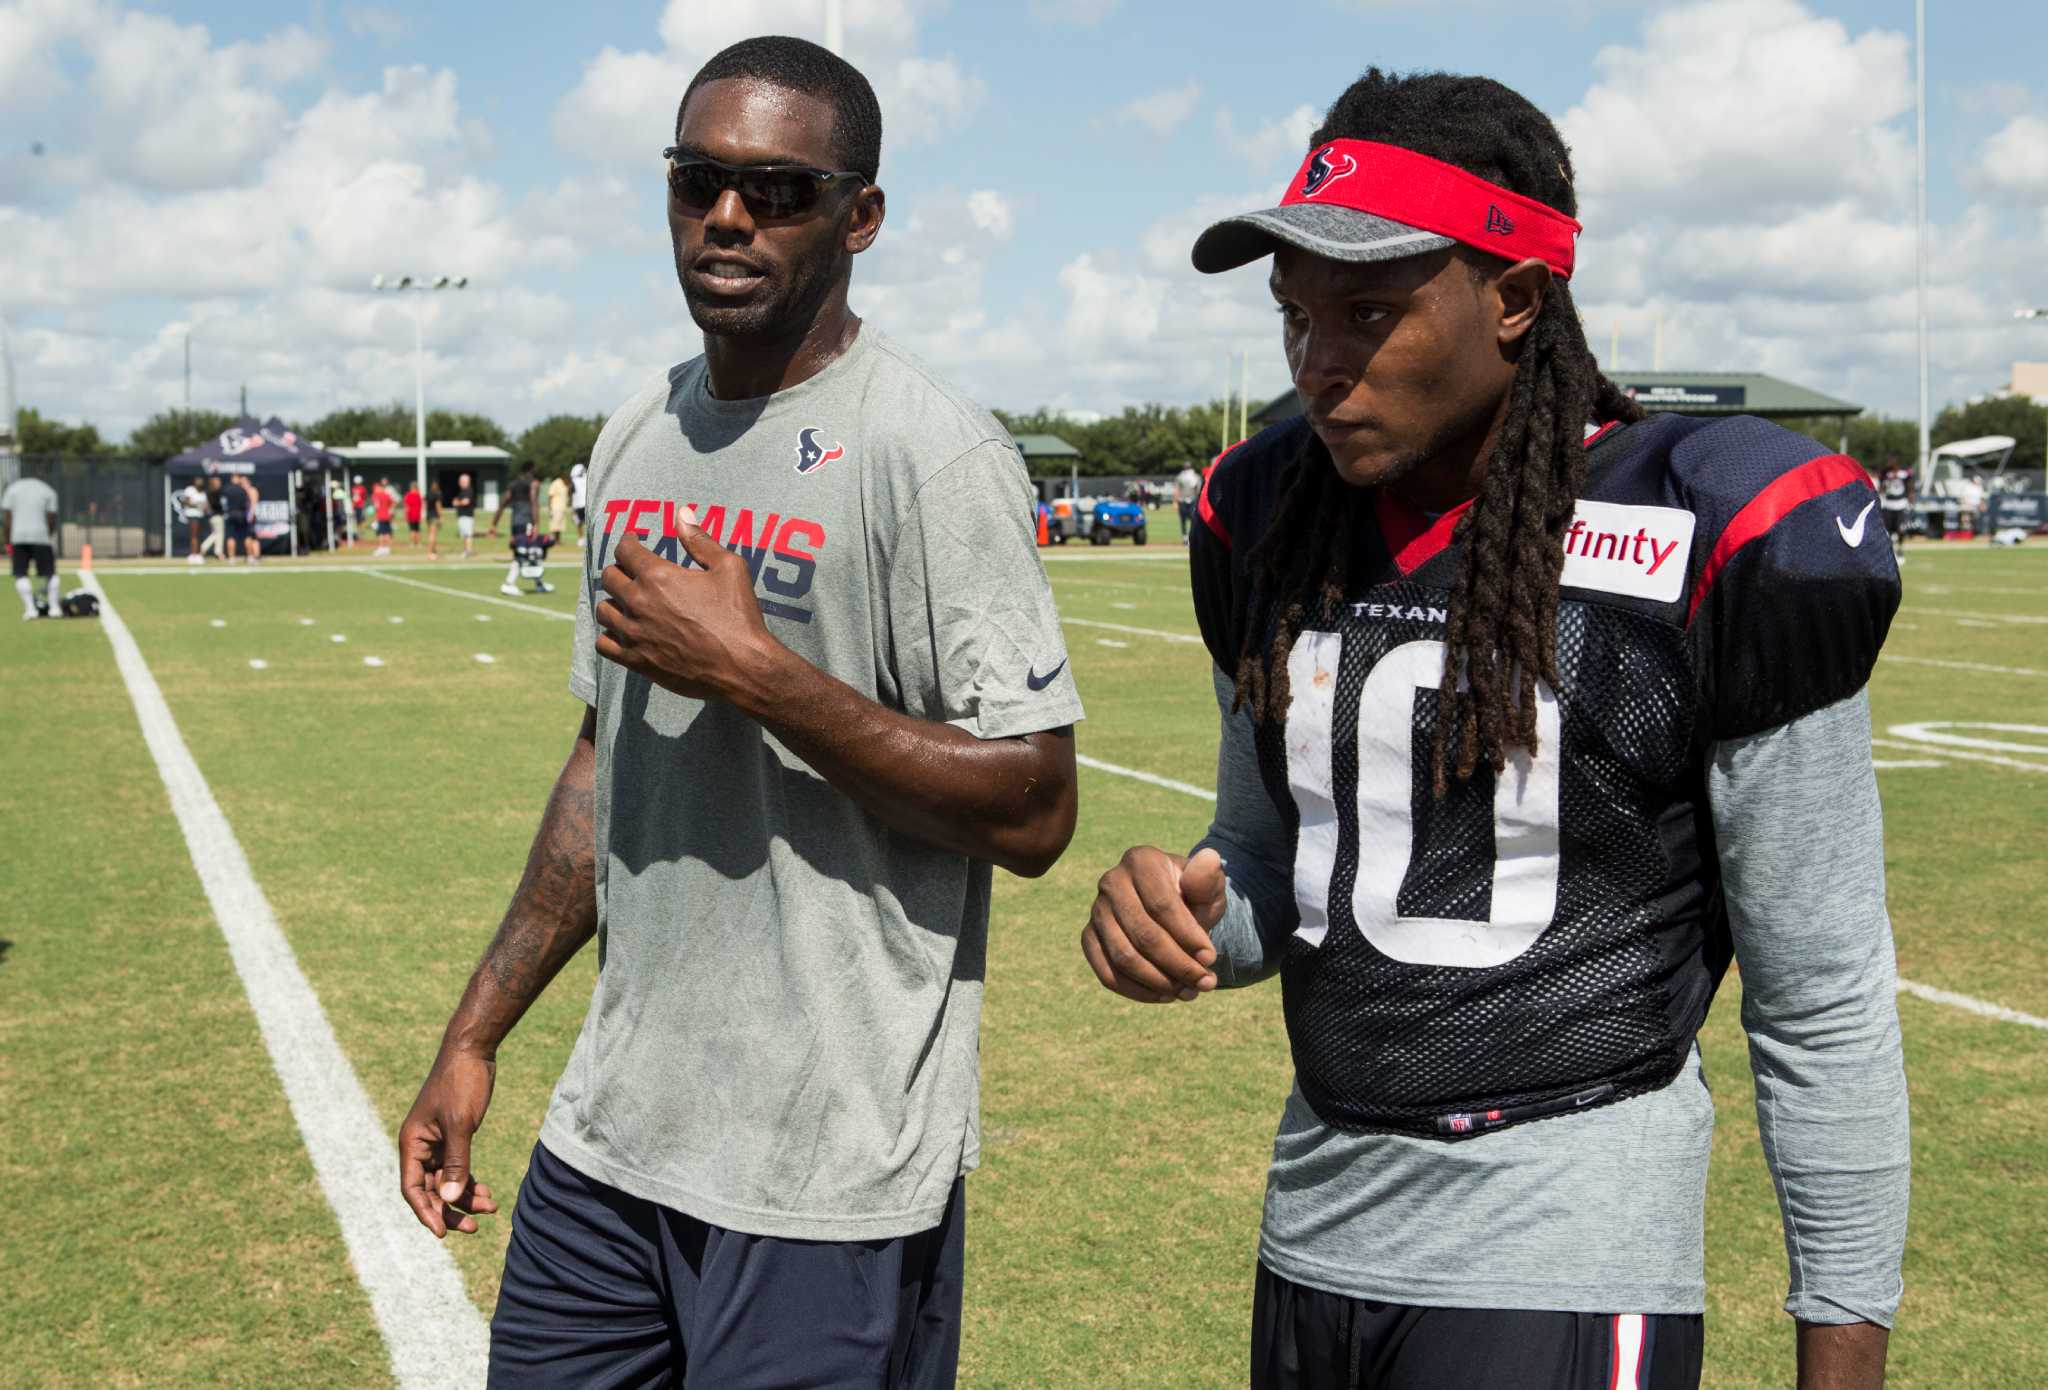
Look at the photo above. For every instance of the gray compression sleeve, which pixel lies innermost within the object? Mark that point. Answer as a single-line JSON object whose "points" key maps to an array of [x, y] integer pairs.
{"points": [[1801, 843], [1258, 857]]}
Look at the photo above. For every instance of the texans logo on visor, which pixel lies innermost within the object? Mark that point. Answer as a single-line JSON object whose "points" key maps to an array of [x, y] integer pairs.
{"points": [[1322, 173], [811, 455]]}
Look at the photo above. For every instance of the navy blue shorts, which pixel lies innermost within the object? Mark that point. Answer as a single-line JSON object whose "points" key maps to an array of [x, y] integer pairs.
{"points": [[604, 1291]]}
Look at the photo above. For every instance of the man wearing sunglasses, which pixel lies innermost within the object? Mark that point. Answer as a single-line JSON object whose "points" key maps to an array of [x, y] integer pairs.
{"points": [[825, 691]]}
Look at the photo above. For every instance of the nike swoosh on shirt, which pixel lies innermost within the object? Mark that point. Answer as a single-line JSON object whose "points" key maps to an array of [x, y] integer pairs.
{"points": [[1852, 536], [1038, 682]]}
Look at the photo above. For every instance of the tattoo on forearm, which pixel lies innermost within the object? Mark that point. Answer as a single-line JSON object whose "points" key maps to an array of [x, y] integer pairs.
{"points": [[554, 910]]}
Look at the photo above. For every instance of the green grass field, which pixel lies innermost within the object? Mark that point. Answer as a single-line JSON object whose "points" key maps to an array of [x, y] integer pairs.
{"points": [[163, 1227]]}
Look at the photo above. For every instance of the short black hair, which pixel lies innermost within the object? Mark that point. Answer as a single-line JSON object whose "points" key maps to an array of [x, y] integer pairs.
{"points": [[798, 65]]}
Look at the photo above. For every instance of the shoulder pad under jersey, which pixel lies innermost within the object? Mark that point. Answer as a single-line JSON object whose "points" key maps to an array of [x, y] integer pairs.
{"points": [[1231, 514], [1795, 584]]}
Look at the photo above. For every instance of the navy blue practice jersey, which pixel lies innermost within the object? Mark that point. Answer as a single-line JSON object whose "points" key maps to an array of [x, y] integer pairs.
{"points": [[1548, 938]]}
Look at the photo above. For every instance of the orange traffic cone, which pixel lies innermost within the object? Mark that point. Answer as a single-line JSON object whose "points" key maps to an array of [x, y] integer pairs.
{"points": [[1044, 531], [85, 559]]}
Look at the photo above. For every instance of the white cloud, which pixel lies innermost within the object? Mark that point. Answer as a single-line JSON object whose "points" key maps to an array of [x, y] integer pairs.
{"points": [[1784, 243], [1161, 112], [387, 27], [623, 108], [2014, 162], [1275, 147]]}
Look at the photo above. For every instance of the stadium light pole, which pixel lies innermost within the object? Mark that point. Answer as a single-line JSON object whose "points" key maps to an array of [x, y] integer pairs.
{"points": [[419, 356], [2041, 313], [1920, 200]]}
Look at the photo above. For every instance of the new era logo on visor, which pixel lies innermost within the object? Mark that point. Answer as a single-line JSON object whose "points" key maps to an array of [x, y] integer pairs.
{"points": [[1498, 222], [1323, 171]]}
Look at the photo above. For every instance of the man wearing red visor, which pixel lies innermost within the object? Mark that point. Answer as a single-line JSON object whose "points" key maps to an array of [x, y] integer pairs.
{"points": [[1535, 713]]}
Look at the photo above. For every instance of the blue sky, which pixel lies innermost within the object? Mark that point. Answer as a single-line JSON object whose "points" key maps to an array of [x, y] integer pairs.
{"points": [[236, 171]]}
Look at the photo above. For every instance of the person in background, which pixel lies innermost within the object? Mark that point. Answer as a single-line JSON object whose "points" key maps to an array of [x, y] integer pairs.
{"points": [[216, 522], [415, 510], [465, 514], [1187, 486], [558, 506], [577, 498], [1972, 498], [190, 503], [522, 499], [358, 502], [238, 504], [433, 504], [28, 510], [1895, 493], [382, 501]]}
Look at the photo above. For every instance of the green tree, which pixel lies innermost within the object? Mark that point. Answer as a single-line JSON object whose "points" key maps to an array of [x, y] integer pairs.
{"points": [[2017, 416], [1873, 440], [1141, 440], [356, 423], [55, 438], [170, 432], [559, 441]]}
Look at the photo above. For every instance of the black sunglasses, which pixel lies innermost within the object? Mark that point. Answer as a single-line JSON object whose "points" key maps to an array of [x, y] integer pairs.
{"points": [[768, 190]]}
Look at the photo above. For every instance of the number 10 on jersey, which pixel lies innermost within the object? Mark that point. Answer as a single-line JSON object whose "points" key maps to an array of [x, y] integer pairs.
{"points": [[1525, 802]]}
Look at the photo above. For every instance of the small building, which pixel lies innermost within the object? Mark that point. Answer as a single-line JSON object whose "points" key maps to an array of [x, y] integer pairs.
{"points": [[489, 467], [1047, 455]]}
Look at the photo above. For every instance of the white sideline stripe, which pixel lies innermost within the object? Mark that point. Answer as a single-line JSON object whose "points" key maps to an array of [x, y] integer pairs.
{"points": [[1965, 665], [1893, 764], [434, 1333], [1185, 788], [1917, 990], [1975, 1006], [1942, 750], [1967, 613], [1134, 631], [122, 571], [466, 594]]}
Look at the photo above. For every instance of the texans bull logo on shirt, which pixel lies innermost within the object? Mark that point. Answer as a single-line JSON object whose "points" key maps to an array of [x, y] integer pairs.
{"points": [[782, 551], [811, 455], [1322, 172]]}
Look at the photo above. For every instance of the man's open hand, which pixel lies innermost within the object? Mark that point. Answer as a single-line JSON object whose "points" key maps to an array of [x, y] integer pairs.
{"points": [[433, 1145], [1147, 936], [697, 632]]}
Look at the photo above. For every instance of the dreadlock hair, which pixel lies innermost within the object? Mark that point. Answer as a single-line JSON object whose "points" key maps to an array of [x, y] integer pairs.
{"points": [[1501, 625], [798, 65]]}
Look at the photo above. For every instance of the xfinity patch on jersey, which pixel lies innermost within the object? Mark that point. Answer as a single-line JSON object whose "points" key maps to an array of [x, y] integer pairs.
{"points": [[1620, 549]]}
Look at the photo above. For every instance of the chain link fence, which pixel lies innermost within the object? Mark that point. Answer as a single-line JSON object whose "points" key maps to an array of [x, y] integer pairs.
{"points": [[113, 504]]}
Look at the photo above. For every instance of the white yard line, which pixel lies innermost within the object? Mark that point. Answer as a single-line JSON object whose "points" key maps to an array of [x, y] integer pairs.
{"points": [[122, 571], [1964, 665], [466, 594], [1133, 631], [1895, 764], [2028, 618], [1938, 750], [1919, 991], [1976, 1006], [1185, 788], [434, 1333]]}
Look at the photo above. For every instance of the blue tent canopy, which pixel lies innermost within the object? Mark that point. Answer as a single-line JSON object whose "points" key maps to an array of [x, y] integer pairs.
{"points": [[262, 450]]}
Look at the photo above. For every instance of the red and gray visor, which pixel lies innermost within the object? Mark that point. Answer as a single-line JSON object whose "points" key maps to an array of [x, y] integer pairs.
{"points": [[1357, 200]]}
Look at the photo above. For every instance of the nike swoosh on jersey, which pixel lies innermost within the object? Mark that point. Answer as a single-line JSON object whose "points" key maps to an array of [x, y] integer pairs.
{"points": [[1852, 536], [1038, 682]]}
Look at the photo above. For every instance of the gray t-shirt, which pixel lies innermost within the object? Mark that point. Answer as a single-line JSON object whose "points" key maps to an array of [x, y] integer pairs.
{"points": [[784, 1035], [1602, 1212], [28, 502]]}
